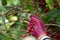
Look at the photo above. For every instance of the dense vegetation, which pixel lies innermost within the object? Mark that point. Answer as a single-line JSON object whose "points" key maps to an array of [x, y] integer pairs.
{"points": [[14, 13]]}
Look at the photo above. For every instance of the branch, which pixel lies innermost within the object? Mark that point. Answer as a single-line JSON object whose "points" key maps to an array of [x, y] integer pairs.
{"points": [[53, 25]]}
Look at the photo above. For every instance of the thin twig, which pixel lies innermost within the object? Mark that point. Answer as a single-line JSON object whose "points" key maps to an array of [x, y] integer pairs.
{"points": [[53, 25]]}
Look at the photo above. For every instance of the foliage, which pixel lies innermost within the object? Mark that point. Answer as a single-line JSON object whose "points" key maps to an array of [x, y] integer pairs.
{"points": [[14, 13]]}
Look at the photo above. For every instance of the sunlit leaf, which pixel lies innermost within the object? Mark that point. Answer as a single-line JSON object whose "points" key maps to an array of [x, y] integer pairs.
{"points": [[58, 2], [13, 2]]}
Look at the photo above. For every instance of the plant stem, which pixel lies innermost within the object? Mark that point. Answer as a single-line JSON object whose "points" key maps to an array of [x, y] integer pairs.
{"points": [[53, 25], [1, 14], [4, 22]]}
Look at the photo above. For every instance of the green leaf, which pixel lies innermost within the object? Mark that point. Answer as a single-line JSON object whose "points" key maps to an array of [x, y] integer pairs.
{"points": [[18, 33], [7, 38], [58, 2], [1, 8], [51, 15], [8, 2], [58, 19], [30, 8], [4, 2], [49, 3], [13, 2], [16, 2], [2, 36]]}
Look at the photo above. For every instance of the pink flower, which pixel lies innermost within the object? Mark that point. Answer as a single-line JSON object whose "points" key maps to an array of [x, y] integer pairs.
{"points": [[37, 25]]}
